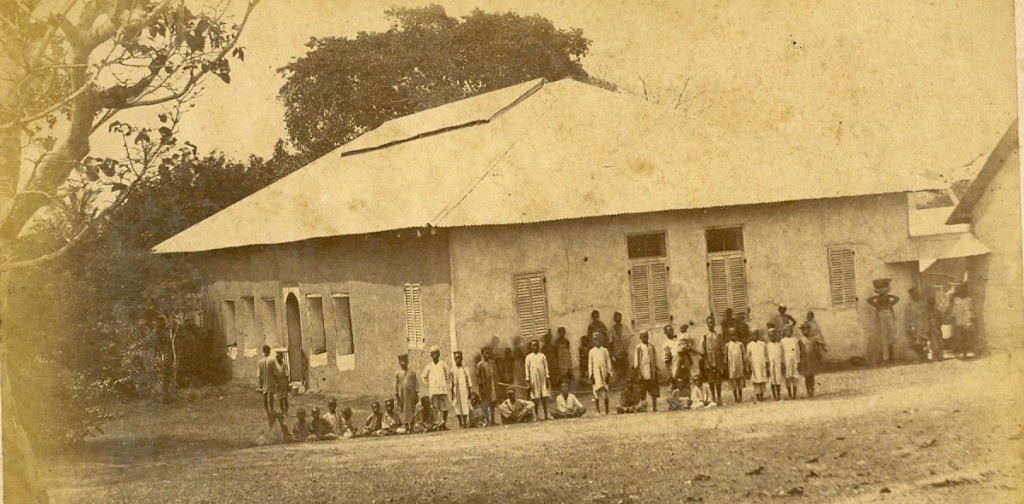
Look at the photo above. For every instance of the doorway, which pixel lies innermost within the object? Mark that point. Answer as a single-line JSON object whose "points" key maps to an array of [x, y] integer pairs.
{"points": [[291, 307]]}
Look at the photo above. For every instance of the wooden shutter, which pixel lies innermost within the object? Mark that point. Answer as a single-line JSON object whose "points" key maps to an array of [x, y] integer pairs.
{"points": [[640, 286], [659, 292], [842, 281], [737, 284], [648, 283], [727, 283], [413, 317], [531, 304]]}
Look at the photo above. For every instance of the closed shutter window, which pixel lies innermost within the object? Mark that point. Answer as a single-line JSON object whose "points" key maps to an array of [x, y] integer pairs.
{"points": [[413, 317], [727, 279], [531, 304], [649, 290], [842, 281]]}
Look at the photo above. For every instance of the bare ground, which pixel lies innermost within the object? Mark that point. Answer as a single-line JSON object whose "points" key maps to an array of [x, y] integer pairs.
{"points": [[945, 432]]}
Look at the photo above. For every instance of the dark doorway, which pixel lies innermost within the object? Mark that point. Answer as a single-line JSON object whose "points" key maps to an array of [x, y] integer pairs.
{"points": [[291, 308]]}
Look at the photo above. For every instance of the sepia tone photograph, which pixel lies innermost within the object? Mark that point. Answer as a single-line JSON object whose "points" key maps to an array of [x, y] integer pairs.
{"points": [[475, 251]]}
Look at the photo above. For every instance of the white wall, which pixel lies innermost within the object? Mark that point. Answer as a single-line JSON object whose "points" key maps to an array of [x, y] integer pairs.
{"points": [[586, 267]]}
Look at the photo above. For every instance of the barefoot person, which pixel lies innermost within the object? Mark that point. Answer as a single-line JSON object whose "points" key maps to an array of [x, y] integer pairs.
{"points": [[462, 386], [487, 382], [438, 377], [599, 367], [515, 410], [712, 359], [281, 373], [538, 379], [735, 363], [645, 368], [407, 392], [775, 377], [811, 347], [757, 358], [790, 361], [265, 383], [567, 405]]}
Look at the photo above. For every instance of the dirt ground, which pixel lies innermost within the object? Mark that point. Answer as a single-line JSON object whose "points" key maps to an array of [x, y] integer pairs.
{"points": [[944, 432]]}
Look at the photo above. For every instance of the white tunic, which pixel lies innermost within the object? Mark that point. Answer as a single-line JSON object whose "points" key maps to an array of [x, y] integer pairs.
{"points": [[461, 383], [757, 355], [537, 375], [600, 366]]}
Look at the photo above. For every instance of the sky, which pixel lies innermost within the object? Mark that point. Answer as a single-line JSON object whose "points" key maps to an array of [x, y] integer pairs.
{"points": [[938, 76]]}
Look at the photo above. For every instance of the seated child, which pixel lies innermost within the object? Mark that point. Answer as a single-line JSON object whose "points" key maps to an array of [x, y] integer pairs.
{"points": [[303, 430], [677, 400], [700, 396], [321, 427], [632, 399], [477, 417], [375, 422], [567, 405], [426, 419], [391, 422], [347, 429]]}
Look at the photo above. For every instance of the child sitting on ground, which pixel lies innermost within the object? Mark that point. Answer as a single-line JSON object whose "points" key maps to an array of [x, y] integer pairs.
{"points": [[347, 429], [632, 399], [303, 430], [477, 416], [375, 422], [677, 400], [321, 427], [426, 420], [391, 422], [567, 405]]}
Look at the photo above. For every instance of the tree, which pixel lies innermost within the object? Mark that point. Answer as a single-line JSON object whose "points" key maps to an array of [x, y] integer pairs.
{"points": [[343, 87], [67, 72]]}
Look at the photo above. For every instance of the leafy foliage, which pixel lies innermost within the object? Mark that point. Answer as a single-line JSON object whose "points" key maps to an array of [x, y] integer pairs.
{"points": [[343, 87]]}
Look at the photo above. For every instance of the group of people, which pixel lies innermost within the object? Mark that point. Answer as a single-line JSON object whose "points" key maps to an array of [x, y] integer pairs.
{"points": [[696, 365]]}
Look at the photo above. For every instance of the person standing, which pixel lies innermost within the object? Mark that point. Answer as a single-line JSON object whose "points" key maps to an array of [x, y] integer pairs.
{"points": [[781, 319], [742, 327], [583, 353], [775, 376], [564, 365], [811, 349], [599, 367], [915, 320], [673, 357], [645, 366], [538, 379], [690, 362], [487, 381], [266, 385], [518, 362], [713, 359], [963, 320], [462, 386], [790, 360], [735, 363], [551, 354], [885, 320], [597, 326], [757, 357], [281, 381], [621, 340], [935, 319], [407, 391], [438, 378]]}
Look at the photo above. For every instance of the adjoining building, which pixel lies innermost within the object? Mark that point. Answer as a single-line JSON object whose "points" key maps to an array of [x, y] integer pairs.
{"points": [[526, 208], [991, 206]]}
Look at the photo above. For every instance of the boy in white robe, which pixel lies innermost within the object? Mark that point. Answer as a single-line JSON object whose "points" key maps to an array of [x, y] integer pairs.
{"points": [[537, 378], [757, 359], [790, 360], [462, 386], [599, 370]]}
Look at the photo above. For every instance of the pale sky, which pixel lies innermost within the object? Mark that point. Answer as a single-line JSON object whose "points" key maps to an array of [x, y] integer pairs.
{"points": [[934, 74]]}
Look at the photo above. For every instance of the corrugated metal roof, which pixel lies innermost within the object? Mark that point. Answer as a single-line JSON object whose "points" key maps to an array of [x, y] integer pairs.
{"points": [[550, 151]]}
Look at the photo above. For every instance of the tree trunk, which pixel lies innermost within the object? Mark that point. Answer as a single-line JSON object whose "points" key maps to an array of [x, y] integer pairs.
{"points": [[20, 475]]}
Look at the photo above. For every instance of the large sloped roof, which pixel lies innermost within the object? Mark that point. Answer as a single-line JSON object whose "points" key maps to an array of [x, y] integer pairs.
{"points": [[549, 151], [996, 160]]}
